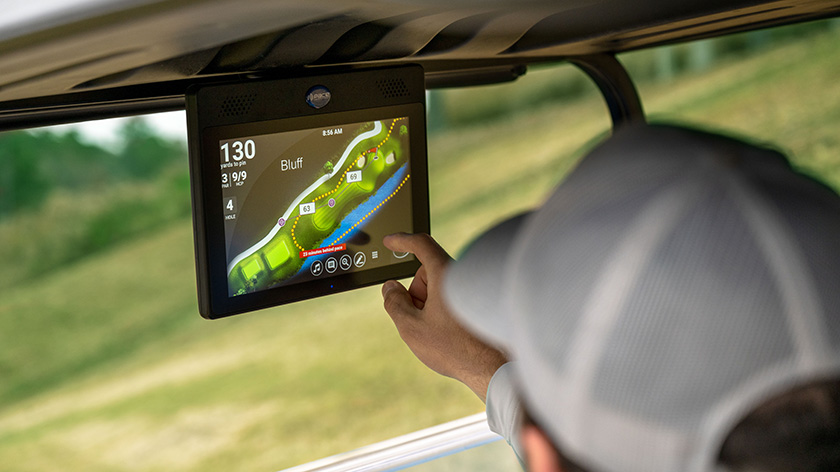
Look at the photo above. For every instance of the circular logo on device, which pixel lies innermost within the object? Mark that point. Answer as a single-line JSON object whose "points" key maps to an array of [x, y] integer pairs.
{"points": [[318, 96]]}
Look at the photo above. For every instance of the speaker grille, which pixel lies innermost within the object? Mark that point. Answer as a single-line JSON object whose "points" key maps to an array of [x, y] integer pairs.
{"points": [[237, 105], [393, 88]]}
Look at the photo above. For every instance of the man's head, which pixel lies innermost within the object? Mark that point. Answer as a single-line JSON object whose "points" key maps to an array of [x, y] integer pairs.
{"points": [[675, 282]]}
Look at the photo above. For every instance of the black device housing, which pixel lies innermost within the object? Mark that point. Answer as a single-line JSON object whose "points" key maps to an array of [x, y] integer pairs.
{"points": [[264, 106]]}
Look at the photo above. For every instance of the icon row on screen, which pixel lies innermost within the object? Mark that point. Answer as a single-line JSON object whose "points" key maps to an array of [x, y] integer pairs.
{"points": [[332, 264]]}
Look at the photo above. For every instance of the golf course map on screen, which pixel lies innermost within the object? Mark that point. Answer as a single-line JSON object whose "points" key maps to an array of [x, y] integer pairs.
{"points": [[312, 203]]}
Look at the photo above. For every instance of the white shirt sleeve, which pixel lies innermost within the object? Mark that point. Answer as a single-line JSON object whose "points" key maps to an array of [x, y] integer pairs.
{"points": [[504, 412]]}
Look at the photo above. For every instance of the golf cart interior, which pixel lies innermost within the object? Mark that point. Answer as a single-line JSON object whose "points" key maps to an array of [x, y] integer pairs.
{"points": [[106, 363]]}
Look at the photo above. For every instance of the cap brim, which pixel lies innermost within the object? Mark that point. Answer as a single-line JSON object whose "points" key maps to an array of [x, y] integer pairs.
{"points": [[473, 285]]}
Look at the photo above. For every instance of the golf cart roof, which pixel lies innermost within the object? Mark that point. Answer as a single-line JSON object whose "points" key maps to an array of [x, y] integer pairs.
{"points": [[82, 59]]}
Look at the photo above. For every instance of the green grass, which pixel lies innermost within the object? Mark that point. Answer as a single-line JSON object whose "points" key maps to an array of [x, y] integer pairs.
{"points": [[72, 225], [787, 96], [106, 366], [142, 374]]}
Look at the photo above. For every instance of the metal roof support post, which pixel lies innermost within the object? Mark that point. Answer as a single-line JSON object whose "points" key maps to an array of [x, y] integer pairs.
{"points": [[615, 85]]}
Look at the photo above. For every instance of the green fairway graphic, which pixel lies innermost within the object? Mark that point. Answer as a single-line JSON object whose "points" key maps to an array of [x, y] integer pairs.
{"points": [[352, 175]]}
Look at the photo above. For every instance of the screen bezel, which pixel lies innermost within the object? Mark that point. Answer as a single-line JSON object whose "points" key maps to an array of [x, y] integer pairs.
{"points": [[214, 299]]}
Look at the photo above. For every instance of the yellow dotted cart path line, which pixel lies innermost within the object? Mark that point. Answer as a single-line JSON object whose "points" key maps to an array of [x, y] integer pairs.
{"points": [[387, 136], [341, 180], [293, 234], [372, 211]]}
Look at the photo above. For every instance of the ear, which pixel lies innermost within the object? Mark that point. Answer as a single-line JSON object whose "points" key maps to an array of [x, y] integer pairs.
{"points": [[539, 451]]}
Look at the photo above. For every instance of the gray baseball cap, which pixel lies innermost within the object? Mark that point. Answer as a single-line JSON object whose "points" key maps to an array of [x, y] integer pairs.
{"points": [[672, 283]]}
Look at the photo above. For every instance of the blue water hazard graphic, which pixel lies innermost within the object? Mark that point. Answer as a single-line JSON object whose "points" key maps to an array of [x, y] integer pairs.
{"points": [[357, 214]]}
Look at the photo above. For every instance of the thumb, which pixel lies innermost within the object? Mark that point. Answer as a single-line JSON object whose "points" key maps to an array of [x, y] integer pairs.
{"points": [[397, 301]]}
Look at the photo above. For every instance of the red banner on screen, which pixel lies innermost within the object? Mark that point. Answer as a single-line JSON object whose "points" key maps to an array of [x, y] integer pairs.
{"points": [[322, 250]]}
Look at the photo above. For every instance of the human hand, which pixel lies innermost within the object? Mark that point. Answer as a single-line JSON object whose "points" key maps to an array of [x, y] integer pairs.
{"points": [[426, 324]]}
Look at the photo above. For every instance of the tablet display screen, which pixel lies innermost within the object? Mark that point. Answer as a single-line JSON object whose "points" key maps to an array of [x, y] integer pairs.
{"points": [[296, 180], [310, 204]]}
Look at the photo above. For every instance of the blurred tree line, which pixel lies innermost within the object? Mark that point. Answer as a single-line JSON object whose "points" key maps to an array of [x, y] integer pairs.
{"points": [[35, 164], [63, 199], [450, 108]]}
